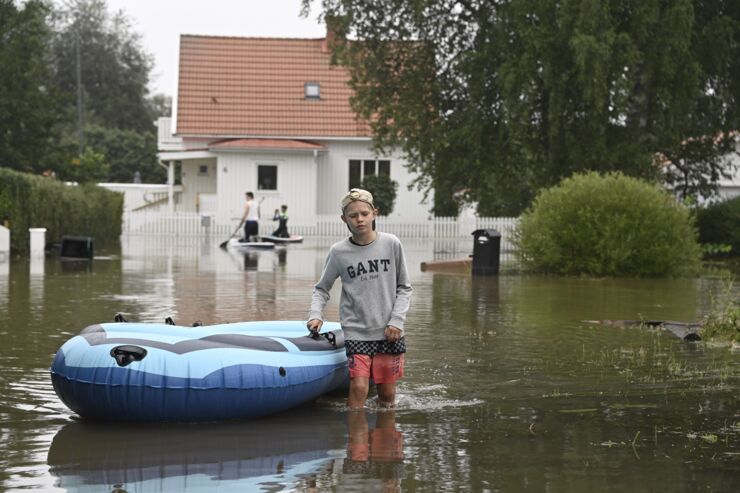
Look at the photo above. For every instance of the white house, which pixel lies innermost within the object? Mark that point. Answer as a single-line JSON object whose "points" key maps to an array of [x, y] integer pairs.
{"points": [[271, 116]]}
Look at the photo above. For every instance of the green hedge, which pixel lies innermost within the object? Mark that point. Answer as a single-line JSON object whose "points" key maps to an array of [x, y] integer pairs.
{"points": [[607, 225], [31, 201], [719, 224]]}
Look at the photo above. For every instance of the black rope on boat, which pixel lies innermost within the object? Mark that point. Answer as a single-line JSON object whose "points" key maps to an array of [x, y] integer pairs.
{"points": [[197, 323], [169, 321], [119, 318], [331, 337]]}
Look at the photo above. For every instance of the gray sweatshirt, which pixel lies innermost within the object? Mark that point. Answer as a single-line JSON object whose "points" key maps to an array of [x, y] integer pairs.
{"points": [[376, 291]]}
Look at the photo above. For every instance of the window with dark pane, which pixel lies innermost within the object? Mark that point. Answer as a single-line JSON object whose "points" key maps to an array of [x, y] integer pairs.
{"points": [[368, 168], [266, 177], [361, 169], [355, 173]]}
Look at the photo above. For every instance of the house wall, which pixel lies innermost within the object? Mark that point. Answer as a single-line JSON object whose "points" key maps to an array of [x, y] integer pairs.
{"points": [[309, 184], [730, 188], [333, 175], [296, 185], [195, 183]]}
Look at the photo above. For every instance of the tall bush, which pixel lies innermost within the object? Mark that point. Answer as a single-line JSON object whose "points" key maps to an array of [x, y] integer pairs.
{"points": [[383, 190], [607, 225], [719, 224], [30, 201]]}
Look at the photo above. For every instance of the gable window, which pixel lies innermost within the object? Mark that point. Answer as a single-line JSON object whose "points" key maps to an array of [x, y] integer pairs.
{"points": [[360, 168], [266, 177], [312, 90]]}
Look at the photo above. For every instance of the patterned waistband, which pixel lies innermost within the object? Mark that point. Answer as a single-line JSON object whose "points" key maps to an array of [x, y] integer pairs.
{"points": [[371, 348]]}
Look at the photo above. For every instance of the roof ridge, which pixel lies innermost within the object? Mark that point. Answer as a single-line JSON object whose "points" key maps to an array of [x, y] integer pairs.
{"points": [[262, 38]]}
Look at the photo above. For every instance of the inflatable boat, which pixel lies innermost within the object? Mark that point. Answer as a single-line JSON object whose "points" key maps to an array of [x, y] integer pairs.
{"points": [[159, 372]]}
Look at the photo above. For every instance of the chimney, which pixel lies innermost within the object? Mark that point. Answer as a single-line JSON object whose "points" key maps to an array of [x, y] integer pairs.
{"points": [[333, 30]]}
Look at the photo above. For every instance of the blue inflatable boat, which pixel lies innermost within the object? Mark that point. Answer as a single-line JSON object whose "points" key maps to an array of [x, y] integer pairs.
{"points": [[160, 372]]}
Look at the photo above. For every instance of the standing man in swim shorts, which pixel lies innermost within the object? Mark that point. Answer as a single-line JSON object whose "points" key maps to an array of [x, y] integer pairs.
{"points": [[376, 295], [251, 218]]}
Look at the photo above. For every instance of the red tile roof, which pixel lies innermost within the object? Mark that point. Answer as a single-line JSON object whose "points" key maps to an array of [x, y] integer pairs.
{"points": [[246, 87], [298, 145]]}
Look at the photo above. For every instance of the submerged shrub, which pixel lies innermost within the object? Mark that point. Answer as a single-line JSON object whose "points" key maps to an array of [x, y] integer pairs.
{"points": [[607, 225], [719, 225]]}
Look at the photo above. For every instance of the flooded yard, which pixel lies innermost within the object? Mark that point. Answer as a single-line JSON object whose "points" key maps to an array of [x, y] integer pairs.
{"points": [[507, 387]]}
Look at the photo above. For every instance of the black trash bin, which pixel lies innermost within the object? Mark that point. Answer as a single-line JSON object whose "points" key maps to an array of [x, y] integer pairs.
{"points": [[486, 252], [77, 247]]}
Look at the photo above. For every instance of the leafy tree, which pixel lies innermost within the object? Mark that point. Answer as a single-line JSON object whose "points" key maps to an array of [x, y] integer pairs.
{"points": [[497, 100], [124, 151], [159, 105], [384, 192], [114, 67], [90, 167], [118, 114], [28, 108]]}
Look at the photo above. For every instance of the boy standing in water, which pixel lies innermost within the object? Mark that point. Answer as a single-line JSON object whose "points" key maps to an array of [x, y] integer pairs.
{"points": [[376, 294]]}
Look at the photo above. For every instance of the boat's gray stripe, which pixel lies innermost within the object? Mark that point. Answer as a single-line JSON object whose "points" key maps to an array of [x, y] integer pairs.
{"points": [[96, 335]]}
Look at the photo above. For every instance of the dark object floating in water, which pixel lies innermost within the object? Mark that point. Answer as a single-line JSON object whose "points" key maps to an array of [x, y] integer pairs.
{"points": [[683, 330], [77, 247]]}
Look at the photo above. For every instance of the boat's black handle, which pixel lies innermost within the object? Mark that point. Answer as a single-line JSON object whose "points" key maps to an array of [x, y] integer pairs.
{"points": [[125, 355]]}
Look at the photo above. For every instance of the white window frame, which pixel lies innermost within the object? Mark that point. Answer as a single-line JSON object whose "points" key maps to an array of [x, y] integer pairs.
{"points": [[362, 161]]}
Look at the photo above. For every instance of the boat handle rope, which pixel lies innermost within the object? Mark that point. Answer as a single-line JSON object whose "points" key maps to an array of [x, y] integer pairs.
{"points": [[329, 336]]}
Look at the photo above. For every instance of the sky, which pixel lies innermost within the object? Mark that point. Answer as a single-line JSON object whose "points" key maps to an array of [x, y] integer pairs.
{"points": [[160, 23]]}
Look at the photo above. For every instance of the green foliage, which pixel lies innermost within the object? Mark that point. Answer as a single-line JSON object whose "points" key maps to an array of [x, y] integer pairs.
{"points": [[36, 202], [383, 190], [723, 321], [719, 223], [28, 106], [607, 225], [38, 93], [90, 167], [126, 151], [114, 67], [501, 99]]}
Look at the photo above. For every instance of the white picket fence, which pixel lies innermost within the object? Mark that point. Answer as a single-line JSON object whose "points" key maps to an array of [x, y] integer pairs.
{"points": [[195, 224]]}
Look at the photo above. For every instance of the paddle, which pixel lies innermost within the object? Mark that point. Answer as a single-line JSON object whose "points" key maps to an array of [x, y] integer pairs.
{"points": [[223, 245]]}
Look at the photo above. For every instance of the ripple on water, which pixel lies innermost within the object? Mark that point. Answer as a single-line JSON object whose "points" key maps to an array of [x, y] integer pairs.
{"points": [[416, 398]]}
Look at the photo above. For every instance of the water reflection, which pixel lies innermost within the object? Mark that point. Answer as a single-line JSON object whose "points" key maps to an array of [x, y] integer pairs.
{"points": [[76, 266], [374, 455], [260, 455], [36, 284]]}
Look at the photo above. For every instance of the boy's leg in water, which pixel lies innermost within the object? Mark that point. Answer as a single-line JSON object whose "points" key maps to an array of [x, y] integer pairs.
{"points": [[358, 388], [387, 394]]}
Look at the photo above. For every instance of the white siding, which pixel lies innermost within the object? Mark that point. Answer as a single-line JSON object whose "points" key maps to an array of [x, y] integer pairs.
{"points": [[195, 183], [296, 187], [308, 185], [333, 176]]}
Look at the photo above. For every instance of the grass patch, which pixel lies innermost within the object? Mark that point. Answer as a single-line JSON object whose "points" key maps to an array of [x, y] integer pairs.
{"points": [[723, 322]]}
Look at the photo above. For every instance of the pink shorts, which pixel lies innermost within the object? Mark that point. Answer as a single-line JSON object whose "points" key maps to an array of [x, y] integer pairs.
{"points": [[382, 368]]}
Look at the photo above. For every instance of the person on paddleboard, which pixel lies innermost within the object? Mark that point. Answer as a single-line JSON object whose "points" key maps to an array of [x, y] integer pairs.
{"points": [[251, 218], [282, 217], [376, 295]]}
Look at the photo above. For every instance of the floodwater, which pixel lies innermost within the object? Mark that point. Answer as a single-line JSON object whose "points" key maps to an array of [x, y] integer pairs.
{"points": [[506, 387]]}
